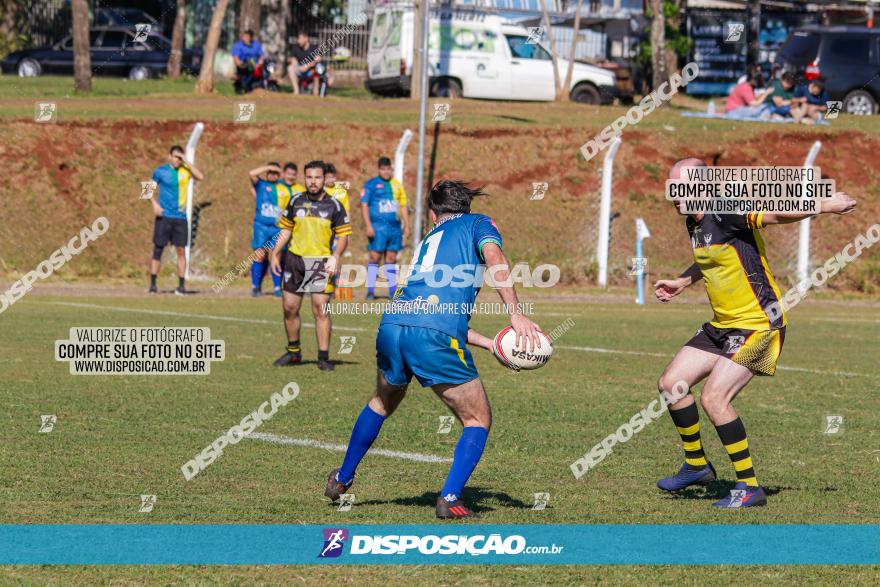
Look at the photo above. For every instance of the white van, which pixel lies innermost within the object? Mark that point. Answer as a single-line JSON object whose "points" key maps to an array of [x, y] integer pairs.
{"points": [[474, 55]]}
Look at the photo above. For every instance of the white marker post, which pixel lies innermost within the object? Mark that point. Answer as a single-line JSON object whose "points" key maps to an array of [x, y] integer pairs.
{"points": [[803, 261], [642, 233], [399, 153], [191, 157], [605, 211]]}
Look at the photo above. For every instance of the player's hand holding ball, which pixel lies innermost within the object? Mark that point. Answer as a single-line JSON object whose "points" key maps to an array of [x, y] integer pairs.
{"points": [[522, 345]]}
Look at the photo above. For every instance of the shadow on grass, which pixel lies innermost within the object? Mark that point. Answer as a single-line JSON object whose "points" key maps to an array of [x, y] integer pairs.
{"points": [[473, 497], [719, 489]]}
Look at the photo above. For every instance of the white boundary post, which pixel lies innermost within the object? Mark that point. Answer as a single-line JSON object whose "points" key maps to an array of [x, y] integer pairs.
{"points": [[803, 261], [191, 157], [605, 211], [399, 153]]}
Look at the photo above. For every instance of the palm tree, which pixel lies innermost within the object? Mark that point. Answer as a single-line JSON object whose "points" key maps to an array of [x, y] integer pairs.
{"points": [[205, 84], [177, 40], [82, 57]]}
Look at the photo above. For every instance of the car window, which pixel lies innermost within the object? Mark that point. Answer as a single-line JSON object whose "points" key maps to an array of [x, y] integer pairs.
{"points": [[853, 49], [520, 48], [93, 38], [115, 40], [380, 31], [801, 48], [67, 44]]}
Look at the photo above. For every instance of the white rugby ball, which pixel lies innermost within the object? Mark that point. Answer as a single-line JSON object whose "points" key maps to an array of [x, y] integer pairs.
{"points": [[505, 348]]}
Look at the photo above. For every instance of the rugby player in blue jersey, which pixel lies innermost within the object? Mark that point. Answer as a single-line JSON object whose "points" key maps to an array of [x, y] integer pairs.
{"points": [[270, 197], [424, 332], [172, 181]]}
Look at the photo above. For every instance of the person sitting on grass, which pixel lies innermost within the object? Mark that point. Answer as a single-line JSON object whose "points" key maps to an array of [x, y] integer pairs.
{"points": [[810, 102], [742, 102], [783, 92]]}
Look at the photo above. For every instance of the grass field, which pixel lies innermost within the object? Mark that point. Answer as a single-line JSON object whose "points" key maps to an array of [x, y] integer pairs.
{"points": [[122, 436]]}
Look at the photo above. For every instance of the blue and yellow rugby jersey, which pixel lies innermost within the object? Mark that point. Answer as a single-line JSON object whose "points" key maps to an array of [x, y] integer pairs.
{"points": [[731, 257], [173, 184], [385, 199], [341, 194], [286, 191], [313, 224], [269, 195], [457, 243]]}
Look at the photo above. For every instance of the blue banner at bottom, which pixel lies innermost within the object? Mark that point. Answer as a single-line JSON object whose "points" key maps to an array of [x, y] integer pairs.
{"points": [[243, 544]]}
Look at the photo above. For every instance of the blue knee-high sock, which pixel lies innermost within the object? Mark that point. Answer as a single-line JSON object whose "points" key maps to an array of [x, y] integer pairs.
{"points": [[372, 272], [391, 276], [258, 270], [365, 431], [467, 454], [276, 280]]}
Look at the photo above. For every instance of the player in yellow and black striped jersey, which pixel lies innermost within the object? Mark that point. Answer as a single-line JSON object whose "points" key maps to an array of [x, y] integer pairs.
{"points": [[310, 223], [743, 339]]}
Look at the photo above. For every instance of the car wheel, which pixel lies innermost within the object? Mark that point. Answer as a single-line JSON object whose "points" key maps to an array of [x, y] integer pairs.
{"points": [[446, 88], [140, 72], [585, 94], [860, 103], [29, 68]]}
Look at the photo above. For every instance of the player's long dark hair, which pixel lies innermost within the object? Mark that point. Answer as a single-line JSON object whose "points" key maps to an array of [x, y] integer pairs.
{"points": [[452, 197]]}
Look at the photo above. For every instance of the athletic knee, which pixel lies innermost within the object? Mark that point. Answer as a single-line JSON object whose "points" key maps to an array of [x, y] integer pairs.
{"points": [[157, 252], [712, 402], [667, 382]]}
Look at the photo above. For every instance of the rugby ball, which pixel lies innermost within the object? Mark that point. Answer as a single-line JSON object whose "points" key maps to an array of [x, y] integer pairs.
{"points": [[504, 347]]}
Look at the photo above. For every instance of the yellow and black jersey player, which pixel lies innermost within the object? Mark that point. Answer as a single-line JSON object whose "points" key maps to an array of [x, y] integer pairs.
{"points": [[310, 223], [743, 339]]}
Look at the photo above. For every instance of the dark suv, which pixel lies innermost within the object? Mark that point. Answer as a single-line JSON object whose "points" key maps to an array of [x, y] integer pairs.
{"points": [[847, 58]]}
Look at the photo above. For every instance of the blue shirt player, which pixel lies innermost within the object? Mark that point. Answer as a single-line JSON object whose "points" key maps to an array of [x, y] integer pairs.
{"points": [[424, 333], [270, 197], [383, 205], [169, 207]]}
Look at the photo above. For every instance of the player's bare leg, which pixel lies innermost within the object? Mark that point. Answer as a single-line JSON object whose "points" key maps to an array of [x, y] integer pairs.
{"points": [[724, 383], [688, 367], [470, 404], [383, 403], [323, 327], [291, 304], [373, 260], [390, 270], [181, 270]]}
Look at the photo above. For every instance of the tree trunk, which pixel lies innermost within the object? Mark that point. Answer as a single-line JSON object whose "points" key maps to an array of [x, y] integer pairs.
{"points": [[658, 44], [205, 84], [275, 40], [82, 57], [415, 77], [566, 94], [248, 17], [177, 40], [553, 59]]}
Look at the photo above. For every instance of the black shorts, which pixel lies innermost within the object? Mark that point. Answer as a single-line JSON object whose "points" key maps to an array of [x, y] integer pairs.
{"points": [[302, 275], [758, 350], [170, 229]]}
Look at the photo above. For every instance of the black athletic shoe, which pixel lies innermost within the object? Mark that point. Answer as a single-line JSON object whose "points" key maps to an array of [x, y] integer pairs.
{"points": [[334, 488], [325, 365], [154, 289], [255, 293], [181, 291], [288, 359], [453, 510]]}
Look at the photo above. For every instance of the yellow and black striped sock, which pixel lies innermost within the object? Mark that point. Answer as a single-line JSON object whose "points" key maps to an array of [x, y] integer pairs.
{"points": [[687, 422], [733, 437], [293, 346]]}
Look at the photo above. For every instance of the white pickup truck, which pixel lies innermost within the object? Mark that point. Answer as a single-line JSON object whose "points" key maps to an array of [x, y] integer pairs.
{"points": [[474, 55]]}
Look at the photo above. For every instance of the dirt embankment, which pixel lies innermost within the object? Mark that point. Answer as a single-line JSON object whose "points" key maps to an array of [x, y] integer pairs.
{"points": [[58, 178]]}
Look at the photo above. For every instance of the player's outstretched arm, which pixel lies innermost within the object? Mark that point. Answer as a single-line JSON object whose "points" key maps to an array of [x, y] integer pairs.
{"points": [[256, 172], [666, 289], [474, 338], [839, 203], [275, 257], [499, 269]]}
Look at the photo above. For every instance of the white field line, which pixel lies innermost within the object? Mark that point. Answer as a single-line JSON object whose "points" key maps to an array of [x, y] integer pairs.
{"points": [[646, 354], [187, 315], [355, 329], [393, 454]]}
